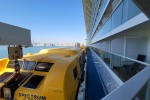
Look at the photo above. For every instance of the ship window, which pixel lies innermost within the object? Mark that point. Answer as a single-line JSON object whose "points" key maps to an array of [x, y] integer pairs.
{"points": [[11, 64], [75, 72], [34, 81], [29, 65], [80, 61], [43, 66], [4, 76]]}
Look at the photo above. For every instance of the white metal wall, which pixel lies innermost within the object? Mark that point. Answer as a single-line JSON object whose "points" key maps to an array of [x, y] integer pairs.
{"points": [[136, 46], [117, 46]]}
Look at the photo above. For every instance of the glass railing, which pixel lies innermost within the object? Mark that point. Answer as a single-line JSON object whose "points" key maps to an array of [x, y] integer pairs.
{"points": [[123, 67], [100, 15], [124, 12]]}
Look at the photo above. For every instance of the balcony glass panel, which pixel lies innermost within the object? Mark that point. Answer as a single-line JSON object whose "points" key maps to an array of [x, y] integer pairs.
{"points": [[108, 26], [133, 10], [125, 11], [130, 10], [104, 2], [117, 17], [127, 68], [115, 4], [124, 68]]}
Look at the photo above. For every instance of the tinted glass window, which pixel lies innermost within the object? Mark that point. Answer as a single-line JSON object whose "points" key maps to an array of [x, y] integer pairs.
{"points": [[4, 76], [133, 10], [43, 66], [129, 10], [20, 63], [75, 72], [34, 81], [117, 17], [115, 3], [107, 27], [125, 11], [29, 65], [11, 64], [80, 61]]}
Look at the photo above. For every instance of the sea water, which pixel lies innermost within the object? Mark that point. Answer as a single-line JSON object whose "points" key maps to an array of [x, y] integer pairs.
{"points": [[34, 49]]}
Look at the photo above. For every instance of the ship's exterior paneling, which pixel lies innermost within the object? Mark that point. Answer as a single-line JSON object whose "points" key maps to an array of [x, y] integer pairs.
{"points": [[120, 36], [125, 11], [108, 15], [114, 21]]}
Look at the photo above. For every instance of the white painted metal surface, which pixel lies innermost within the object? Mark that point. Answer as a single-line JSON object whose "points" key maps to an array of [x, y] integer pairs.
{"points": [[130, 89], [13, 35]]}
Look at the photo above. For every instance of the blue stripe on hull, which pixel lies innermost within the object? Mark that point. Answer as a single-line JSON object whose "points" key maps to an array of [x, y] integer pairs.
{"points": [[94, 88]]}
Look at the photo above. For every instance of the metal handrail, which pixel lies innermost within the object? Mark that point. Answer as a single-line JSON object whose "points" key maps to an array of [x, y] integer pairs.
{"points": [[132, 59], [131, 87]]}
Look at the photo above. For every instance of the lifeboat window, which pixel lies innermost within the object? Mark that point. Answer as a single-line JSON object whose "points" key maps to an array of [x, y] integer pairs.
{"points": [[80, 61], [11, 64], [75, 72], [34, 81], [20, 63], [43, 66], [4, 76], [29, 65]]}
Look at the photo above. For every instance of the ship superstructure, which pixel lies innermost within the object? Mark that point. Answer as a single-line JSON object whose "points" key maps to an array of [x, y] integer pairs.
{"points": [[118, 36]]}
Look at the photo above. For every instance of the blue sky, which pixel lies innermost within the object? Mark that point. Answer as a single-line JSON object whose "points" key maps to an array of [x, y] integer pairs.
{"points": [[48, 20]]}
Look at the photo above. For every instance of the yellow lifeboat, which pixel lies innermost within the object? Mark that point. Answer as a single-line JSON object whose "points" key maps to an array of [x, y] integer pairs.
{"points": [[51, 74]]}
